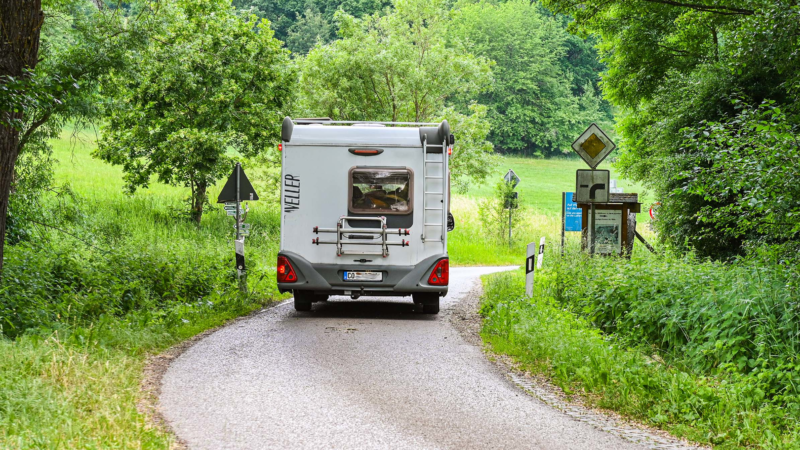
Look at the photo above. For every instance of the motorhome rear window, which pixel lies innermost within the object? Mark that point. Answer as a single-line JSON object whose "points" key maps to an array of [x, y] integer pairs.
{"points": [[381, 190]]}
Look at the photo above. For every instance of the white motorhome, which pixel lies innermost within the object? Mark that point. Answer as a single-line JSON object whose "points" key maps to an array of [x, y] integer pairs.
{"points": [[364, 210]]}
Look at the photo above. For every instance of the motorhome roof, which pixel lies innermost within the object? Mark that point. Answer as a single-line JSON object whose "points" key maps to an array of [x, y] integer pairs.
{"points": [[321, 132], [356, 136]]}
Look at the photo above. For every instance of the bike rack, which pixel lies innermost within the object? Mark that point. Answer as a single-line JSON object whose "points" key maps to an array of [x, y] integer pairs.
{"points": [[344, 236]]}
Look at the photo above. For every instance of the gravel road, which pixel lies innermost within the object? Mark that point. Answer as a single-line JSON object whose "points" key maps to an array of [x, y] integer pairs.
{"points": [[358, 375]]}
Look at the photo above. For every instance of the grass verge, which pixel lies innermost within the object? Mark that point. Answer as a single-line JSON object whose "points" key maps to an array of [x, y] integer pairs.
{"points": [[79, 388], [558, 333]]}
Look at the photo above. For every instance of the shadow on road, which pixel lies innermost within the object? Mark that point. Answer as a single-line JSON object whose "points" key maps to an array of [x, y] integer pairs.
{"points": [[395, 309]]}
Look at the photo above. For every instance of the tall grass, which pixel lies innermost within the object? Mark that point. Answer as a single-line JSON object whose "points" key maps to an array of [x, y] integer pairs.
{"points": [[470, 244], [705, 350]]}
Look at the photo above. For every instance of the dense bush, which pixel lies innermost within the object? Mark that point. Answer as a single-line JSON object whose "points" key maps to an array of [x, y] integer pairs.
{"points": [[705, 316], [44, 285], [722, 369], [87, 259], [745, 170]]}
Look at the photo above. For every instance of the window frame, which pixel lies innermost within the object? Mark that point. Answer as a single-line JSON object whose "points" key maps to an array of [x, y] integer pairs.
{"points": [[404, 169]]}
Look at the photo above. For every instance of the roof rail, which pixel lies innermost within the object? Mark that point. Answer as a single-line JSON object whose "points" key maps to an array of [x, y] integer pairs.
{"points": [[309, 120]]}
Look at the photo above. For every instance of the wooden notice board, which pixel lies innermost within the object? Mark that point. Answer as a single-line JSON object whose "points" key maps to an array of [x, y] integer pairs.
{"points": [[627, 205]]}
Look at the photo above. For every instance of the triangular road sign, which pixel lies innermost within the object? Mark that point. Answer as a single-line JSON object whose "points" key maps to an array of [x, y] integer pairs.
{"points": [[512, 178], [593, 146], [246, 191]]}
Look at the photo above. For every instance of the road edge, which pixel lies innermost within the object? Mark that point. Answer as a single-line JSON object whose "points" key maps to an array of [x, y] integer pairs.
{"points": [[156, 366], [465, 318]]}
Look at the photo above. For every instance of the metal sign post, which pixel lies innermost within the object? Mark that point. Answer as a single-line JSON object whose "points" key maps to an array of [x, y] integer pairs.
{"points": [[231, 195], [509, 227], [241, 270], [238, 200], [591, 231], [592, 186], [511, 203]]}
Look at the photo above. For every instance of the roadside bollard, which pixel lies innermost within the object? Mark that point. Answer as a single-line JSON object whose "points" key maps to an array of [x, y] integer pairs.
{"points": [[529, 269]]}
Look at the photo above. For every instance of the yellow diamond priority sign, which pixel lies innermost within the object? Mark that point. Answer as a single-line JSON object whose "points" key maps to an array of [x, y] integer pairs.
{"points": [[593, 146]]}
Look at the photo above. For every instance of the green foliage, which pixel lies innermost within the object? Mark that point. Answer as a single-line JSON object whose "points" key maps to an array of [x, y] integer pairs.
{"points": [[400, 67], [308, 30], [473, 156], [695, 348], [103, 280], [294, 21], [532, 106], [80, 44], [212, 80], [674, 65], [499, 212], [108, 256], [396, 67], [709, 317], [746, 169]]}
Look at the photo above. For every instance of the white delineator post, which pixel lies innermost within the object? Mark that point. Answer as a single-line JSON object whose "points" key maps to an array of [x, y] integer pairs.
{"points": [[541, 253], [529, 269]]}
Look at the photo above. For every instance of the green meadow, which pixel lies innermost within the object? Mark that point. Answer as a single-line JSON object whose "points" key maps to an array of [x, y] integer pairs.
{"points": [[543, 181]]}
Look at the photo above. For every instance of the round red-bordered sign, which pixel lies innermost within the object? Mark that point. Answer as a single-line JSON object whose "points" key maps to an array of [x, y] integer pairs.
{"points": [[654, 210]]}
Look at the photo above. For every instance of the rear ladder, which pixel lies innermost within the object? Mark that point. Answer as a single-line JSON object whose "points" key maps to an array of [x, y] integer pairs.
{"points": [[434, 215]]}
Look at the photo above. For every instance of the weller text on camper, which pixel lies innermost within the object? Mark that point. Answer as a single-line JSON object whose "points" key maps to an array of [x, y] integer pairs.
{"points": [[291, 193]]}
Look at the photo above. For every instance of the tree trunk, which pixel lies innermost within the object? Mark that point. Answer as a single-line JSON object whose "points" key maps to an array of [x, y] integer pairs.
{"points": [[20, 24], [198, 201]]}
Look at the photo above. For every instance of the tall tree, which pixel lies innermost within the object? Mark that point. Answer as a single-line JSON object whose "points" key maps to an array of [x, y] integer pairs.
{"points": [[51, 75], [397, 67], [532, 106], [309, 29], [400, 67], [20, 27], [284, 15], [214, 80]]}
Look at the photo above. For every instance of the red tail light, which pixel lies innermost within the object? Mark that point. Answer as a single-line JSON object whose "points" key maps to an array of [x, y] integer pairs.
{"points": [[280, 147], [285, 271], [441, 273]]}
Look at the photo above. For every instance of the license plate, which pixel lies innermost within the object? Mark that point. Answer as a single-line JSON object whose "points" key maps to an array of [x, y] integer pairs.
{"points": [[362, 276]]}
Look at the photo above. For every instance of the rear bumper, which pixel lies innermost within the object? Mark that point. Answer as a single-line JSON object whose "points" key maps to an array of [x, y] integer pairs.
{"points": [[327, 278]]}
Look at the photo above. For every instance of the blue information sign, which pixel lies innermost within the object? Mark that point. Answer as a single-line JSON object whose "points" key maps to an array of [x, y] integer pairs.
{"points": [[573, 214]]}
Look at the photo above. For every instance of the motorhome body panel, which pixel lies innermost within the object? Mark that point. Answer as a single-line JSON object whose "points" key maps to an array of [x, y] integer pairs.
{"points": [[318, 189]]}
